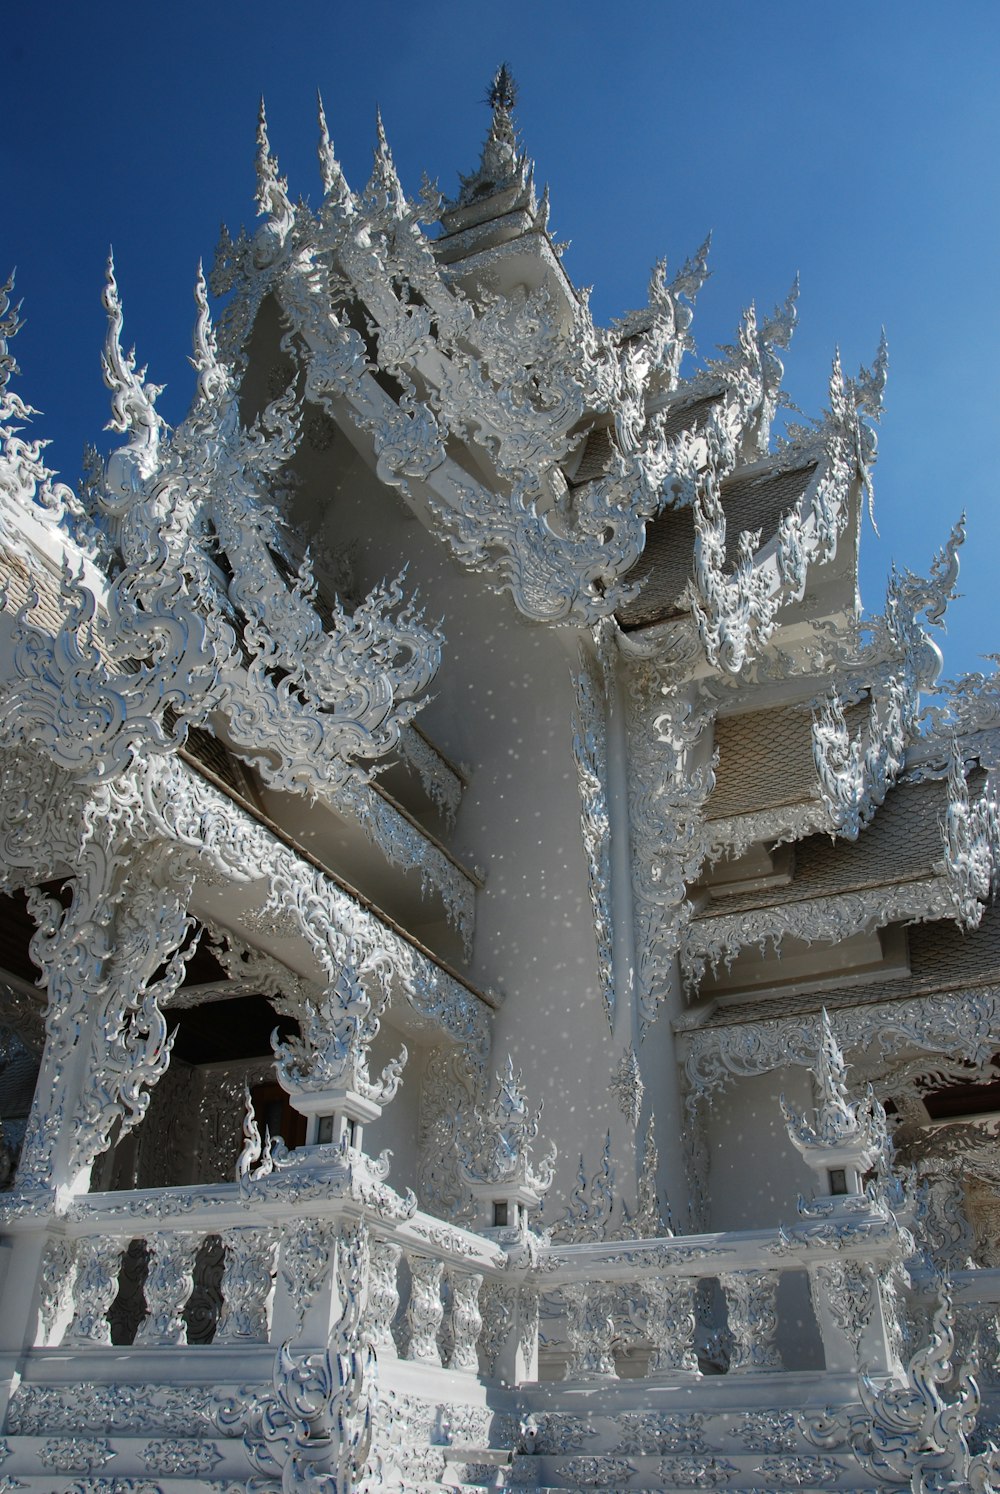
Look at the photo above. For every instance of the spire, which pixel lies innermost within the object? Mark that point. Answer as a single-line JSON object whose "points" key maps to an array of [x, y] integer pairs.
{"points": [[501, 166], [212, 375], [499, 156], [132, 400], [327, 159], [384, 188], [334, 182], [272, 197]]}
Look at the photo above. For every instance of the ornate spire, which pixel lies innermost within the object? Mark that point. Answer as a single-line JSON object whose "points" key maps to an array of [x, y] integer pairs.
{"points": [[273, 202], [384, 196], [213, 378], [846, 1136], [496, 1151], [132, 400], [500, 165], [331, 1056], [334, 182]]}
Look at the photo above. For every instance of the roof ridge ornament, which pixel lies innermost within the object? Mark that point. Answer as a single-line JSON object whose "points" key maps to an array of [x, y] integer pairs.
{"points": [[11, 323], [501, 163], [335, 186], [383, 198], [133, 401], [273, 201]]}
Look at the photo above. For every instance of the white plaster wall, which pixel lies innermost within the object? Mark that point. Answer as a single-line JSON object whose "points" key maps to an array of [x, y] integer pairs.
{"points": [[398, 1127], [755, 1174], [502, 707]]}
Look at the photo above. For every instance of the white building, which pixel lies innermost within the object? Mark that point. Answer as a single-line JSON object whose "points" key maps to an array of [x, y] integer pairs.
{"points": [[460, 738]]}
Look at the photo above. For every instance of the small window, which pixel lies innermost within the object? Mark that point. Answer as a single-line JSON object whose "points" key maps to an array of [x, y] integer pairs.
{"points": [[838, 1180]]}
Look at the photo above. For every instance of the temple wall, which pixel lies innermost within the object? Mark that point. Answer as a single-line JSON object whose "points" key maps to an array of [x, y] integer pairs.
{"points": [[755, 1174], [502, 708]]}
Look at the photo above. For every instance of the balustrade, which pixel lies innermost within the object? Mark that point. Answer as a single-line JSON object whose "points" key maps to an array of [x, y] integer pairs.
{"points": [[95, 1286], [187, 1286], [206, 1274], [466, 1321], [668, 1310], [383, 1294]]}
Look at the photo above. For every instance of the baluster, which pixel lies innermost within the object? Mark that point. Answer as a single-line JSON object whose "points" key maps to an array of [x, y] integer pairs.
{"points": [[169, 1283], [205, 1302], [383, 1294], [247, 1285], [753, 1320], [466, 1320], [98, 1261], [590, 1330], [670, 1324], [55, 1290], [424, 1311]]}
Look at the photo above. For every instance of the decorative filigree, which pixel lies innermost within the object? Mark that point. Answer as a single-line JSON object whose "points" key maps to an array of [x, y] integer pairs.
{"points": [[627, 1087], [649, 1223], [495, 1140], [308, 1253], [972, 845], [180, 1457], [855, 774], [671, 776], [588, 1213], [316, 1420], [590, 756], [910, 1437], [332, 1051], [964, 1024]]}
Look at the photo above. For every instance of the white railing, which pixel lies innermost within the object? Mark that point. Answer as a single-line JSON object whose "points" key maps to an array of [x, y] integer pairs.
{"points": [[186, 1268], [643, 1295]]}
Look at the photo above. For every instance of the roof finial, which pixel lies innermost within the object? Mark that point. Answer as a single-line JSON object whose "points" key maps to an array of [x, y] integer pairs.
{"points": [[335, 185], [132, 398], [502, 92], [10, 324], [272, 189]]}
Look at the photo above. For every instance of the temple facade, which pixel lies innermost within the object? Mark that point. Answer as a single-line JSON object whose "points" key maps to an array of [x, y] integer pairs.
{"points": [[499, 983]]}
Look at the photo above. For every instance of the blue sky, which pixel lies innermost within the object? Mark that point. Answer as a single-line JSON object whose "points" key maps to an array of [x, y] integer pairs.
{"points": [[854, 143]]}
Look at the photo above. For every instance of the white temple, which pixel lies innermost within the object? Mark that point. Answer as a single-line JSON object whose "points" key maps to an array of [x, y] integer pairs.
{"points": [[499, 984]]}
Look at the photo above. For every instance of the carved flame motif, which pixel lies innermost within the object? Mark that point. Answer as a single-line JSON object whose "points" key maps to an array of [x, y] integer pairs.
{"points": [[494, 1142], [207, 612], [333, 1049]]}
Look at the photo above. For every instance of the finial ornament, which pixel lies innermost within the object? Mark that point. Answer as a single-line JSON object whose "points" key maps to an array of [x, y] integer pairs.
{"points": [[133, 401], [332, 1052], [10, 324], [273, 202], [502, 92], [846, 1136], [325, 1070], [495, 1151], [335, 186]]}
